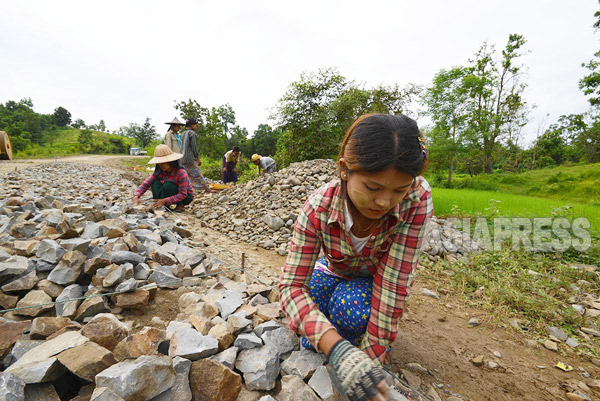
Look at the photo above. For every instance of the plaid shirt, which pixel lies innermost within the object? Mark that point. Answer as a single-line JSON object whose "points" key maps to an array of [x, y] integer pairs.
{"points": [[177, 176], [391, 255]]}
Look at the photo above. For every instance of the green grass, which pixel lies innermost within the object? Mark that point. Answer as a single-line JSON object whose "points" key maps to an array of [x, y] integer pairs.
{"points": [[64, 142], [470, 202], [567, 183], [532, 287]]}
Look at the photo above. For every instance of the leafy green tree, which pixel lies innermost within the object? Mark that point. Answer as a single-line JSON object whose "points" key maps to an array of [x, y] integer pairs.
{"points": [[79, 123], [590, 84], [238, 136], [496, 90], [85, 140], [319, 108], [62, 117], [448, 106], [264, 140], [23, 124], [101, 126], [143, 134]]}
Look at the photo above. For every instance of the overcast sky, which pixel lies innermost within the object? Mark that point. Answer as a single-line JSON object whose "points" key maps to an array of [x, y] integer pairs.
{"points": [[121, 61]]}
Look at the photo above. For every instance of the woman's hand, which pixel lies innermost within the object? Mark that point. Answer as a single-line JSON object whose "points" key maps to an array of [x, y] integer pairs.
{"points": [[224, 169], [136, 201], [159, 203], [199, 162], [358, 375]]}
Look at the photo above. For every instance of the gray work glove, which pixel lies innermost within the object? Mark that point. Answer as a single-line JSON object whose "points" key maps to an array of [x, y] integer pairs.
{"points": [[357, 373]]}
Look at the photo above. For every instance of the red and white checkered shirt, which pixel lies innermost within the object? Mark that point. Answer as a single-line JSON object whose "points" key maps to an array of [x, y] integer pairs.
{"points": [[391, 255], [177, 176]]}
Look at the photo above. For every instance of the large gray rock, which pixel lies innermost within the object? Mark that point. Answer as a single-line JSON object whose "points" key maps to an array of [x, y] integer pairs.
{"points": [[229, 303], [68, 269], [260, 367], [13, 266], [283, 339], [120, 257], [68, 309], [24, 282], [294, 389], [227, 357], [40, 371], [266, 326], [174, 325], [556, 332], [147, 236], [138, 379], [76, 244], [12, 387], [127, 285], [320, 382], [302, 363], [163, 277], [93, 230], [180, 391], [49, 348], [189, 344], [50, 251], [247, 341]]}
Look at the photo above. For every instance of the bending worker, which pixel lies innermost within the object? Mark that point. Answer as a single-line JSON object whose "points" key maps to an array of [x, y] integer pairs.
{"points": [[265, 164]]}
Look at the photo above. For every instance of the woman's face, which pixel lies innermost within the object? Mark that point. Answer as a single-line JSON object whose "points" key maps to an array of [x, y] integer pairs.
{"points": [[175, 128], [166, 167], [374, 194]]}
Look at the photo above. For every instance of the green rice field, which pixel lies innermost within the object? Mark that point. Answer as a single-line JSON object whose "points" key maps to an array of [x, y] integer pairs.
{"points": [[469, 202]]}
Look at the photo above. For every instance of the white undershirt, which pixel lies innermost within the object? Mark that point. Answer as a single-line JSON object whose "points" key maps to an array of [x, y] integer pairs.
{"points": [[359, 243]]}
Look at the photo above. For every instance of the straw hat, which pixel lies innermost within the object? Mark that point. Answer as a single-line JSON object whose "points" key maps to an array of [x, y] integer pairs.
{"points": [[175, 122], [164, 154], [255, 157]]}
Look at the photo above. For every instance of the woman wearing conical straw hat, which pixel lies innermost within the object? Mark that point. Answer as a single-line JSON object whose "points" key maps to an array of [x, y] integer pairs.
{"points": [[172, 138], [170, 183]]}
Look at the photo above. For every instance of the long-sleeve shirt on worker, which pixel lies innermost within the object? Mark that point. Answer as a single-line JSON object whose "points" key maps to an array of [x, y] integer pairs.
{"points": [[391, 255], [177, 176]]}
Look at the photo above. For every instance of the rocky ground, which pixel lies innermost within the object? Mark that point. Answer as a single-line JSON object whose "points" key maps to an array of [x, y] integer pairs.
{"points": [[128, 297]]}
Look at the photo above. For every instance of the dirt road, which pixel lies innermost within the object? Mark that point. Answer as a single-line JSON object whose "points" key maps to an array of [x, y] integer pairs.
{"points": [[106, 160]]}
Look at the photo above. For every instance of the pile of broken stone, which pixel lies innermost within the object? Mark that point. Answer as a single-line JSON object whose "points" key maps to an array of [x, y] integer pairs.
{"points": [[77, 260], [262, 212]]}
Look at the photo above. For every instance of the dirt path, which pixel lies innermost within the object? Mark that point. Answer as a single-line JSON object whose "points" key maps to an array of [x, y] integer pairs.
{"points": [[106, 160], [433, 333]]}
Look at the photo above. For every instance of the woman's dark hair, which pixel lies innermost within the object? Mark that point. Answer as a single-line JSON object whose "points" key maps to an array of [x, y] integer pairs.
{"points": [[174, 164], [376, 142], [190, 121], [236, 149]]}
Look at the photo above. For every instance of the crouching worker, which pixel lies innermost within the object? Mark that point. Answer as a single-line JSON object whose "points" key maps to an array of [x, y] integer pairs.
{"points": [[170, 183], [370, 225], [265, 164]]}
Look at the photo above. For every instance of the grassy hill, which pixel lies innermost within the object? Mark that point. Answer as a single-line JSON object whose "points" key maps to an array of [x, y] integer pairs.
{"points": [[574, 184], [64, 142]]}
